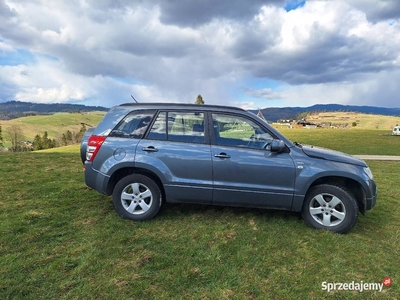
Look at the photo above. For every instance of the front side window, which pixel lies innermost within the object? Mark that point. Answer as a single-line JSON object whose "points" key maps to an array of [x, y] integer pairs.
{"points": [[134, 125], [238, 131], [179, 127]]}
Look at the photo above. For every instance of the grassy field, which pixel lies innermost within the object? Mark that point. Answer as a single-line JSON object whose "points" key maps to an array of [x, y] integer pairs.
{"points": [[60, 240], [363, 121], [349, 141], [350, 120]]}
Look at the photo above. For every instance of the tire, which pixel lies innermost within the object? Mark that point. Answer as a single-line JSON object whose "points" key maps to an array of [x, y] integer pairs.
{"points": [[137, 197], [330, 207]]}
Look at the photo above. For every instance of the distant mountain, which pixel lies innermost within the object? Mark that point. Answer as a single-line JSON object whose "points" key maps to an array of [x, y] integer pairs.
{"points": [[16, 109], [274, 114]]}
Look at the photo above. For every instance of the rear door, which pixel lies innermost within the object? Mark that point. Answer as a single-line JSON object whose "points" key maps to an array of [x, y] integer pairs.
{"points": [[178, 151], [245, 172], [120, 145]]}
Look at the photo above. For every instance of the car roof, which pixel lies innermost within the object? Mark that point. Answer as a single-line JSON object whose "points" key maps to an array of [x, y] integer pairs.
{"points": [[205, 107]]}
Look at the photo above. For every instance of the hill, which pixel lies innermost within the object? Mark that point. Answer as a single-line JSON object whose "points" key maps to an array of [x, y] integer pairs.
{"points": [[16, 109], [55, 124], [274, 114], [340, 119]]}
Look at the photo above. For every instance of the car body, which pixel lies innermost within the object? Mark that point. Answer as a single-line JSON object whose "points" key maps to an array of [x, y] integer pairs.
{"points": [[396, 130], [146, 154]]}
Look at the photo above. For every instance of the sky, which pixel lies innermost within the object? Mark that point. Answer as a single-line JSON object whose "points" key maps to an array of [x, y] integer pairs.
{"points": [[245, 53]]}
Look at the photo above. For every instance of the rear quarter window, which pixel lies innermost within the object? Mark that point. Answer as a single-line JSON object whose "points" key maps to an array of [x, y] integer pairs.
{"points": [[134, 125]]}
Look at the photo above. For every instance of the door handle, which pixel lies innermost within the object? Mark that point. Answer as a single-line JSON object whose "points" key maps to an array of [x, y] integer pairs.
{"points": [[222, 155], [149, 149]]}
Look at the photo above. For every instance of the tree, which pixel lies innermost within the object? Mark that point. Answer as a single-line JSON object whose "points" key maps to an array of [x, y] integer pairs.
{"points": [[16, 137], [199, 100], [64, 141], [1, 139], [80, 134], [43, 142], [47, 143], [37, 143], [68, 136]]}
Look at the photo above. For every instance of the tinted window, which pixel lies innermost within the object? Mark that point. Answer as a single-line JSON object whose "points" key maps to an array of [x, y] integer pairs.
{"points": [[178, 126], [237, 131], [134, 125]]}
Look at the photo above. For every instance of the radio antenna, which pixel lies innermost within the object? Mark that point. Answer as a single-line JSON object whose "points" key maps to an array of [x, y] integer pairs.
{"points": [[134, 99]]}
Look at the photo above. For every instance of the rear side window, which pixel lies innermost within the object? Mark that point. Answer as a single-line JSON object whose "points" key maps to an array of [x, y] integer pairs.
{"points": [[134, 125], [179, 127]]}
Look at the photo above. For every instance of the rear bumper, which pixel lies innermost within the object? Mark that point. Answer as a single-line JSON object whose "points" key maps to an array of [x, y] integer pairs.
{"points": [[95, 179]]}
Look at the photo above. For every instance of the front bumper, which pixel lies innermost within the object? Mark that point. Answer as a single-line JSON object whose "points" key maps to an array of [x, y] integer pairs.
{"points": [[371, 200]]}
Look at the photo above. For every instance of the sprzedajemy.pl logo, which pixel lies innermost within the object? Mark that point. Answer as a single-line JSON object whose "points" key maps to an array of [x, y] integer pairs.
{"points": [[356, 286]]}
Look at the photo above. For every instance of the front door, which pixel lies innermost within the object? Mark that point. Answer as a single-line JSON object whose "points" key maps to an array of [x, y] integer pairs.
{"points": [[245, 172]]}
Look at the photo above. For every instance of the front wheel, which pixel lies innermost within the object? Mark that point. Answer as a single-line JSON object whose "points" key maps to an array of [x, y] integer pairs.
{"points": [[137, 197], [330, 207]]}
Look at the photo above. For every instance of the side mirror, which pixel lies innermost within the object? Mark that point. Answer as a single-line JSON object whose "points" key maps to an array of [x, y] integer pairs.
{"points": [[277, 146]]}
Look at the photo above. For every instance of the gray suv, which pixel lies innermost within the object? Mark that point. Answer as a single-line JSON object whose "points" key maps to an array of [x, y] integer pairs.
{"points": [[147, 154]]}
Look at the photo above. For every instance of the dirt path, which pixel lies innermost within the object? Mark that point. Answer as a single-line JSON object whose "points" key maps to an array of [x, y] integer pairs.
{"points": [[378, 157]]}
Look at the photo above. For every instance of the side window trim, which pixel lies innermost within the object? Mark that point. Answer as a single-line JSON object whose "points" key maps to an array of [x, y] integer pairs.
{"points": [[149, 130]]}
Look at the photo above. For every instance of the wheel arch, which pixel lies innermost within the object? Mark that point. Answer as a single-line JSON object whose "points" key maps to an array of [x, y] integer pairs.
{"points": [[123, 172], [349, 184]]}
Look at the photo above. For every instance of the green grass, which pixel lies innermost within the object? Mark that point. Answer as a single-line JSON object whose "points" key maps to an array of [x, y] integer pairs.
{"points": [[349, 141], [60, 240], [66, 149]]}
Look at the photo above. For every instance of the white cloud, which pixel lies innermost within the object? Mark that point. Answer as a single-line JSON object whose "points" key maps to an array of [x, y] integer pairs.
{"points": [[266, 93], [5, 48], [378, 10], [101, 52]]}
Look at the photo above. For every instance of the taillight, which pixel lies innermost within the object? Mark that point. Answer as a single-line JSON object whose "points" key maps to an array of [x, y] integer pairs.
{"points": [[93, 146]]}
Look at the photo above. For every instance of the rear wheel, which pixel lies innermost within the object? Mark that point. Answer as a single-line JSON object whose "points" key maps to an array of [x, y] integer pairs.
{"points": [[330, 207], [137, 197]]}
